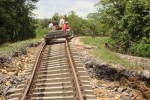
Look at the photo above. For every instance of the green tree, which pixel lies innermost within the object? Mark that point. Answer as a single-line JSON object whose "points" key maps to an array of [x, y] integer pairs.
{"points": [[16, 20], [128, 23], [76, 23], [44, 23], [56, 16]]}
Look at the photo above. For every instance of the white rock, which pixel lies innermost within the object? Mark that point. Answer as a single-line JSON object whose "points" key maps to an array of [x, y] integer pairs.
{"points": [[3, 71], [146, 73]]}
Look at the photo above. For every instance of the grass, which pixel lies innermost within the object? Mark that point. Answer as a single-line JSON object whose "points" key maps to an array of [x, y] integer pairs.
{"points": [[41, 32], [105, 54], [13, 46]]}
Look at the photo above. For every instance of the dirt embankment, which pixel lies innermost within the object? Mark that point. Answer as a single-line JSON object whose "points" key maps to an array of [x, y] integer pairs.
{"points": [[110, 82], [13, 65], [114, 82]]}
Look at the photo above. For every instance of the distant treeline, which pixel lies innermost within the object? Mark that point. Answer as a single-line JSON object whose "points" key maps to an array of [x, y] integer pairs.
{"points": [[79, 25], [16, 22], [126, 22]]}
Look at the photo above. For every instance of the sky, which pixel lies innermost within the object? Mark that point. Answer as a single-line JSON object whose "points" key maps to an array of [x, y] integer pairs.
{"points": [[47, 8]]}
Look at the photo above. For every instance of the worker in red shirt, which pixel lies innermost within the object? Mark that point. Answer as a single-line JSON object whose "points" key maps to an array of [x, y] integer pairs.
{"points": [[65, 26]]}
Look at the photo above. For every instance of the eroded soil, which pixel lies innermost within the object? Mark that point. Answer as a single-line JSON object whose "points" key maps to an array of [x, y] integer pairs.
{"points": [[12, 70], [114, 82]]}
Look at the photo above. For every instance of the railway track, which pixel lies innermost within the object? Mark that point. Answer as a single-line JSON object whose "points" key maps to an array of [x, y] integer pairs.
{"points": [[57, 75]]}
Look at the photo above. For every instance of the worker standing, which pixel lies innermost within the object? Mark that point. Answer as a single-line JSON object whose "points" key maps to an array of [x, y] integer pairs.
{"points": [[50, 26], [62, 22], [55, 24], [65, 27]]}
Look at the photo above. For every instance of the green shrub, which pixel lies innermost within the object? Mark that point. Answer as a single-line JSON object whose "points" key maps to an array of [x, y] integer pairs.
{"points": [[41, 32], [141, 49]]}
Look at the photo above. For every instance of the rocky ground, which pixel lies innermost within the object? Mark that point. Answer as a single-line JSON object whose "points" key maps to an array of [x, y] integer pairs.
{"points": [[144, 62], [12, 67], [110, 82], [114, 82]]}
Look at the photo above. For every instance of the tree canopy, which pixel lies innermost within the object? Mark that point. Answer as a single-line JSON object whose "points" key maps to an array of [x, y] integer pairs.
{"points": [[16, 20], [128, 24]]}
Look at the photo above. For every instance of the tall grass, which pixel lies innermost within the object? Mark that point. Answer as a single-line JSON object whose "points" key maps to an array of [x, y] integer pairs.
{"points": [[13, 46], [41, 32], [105, 54]]}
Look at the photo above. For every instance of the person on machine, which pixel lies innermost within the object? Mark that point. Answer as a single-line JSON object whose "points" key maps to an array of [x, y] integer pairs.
{"points": [[65, 27], [61, 22], [55, 24], [50, 26]]}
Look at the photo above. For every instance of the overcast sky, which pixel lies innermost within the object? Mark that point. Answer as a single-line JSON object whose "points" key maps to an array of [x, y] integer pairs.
{"points": [[47, 8]]}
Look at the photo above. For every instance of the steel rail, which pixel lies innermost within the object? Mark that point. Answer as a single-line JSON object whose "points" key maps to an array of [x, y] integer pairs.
{"points": [[29, 84], [77, 84]]}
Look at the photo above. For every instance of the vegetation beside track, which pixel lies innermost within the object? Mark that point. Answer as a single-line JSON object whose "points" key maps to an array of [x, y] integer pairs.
{"points": [[8, 47], [126, 22], [17, 22], [17, 45], [104, 53]]}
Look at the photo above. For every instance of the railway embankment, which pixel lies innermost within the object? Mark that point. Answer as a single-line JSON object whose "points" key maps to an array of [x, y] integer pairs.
{"points": [[109, 80], [116, 81], [15, 58]]}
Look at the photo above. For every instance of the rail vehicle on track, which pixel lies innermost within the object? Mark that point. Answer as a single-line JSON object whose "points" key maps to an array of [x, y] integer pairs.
{"points": [[53, 35]]}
